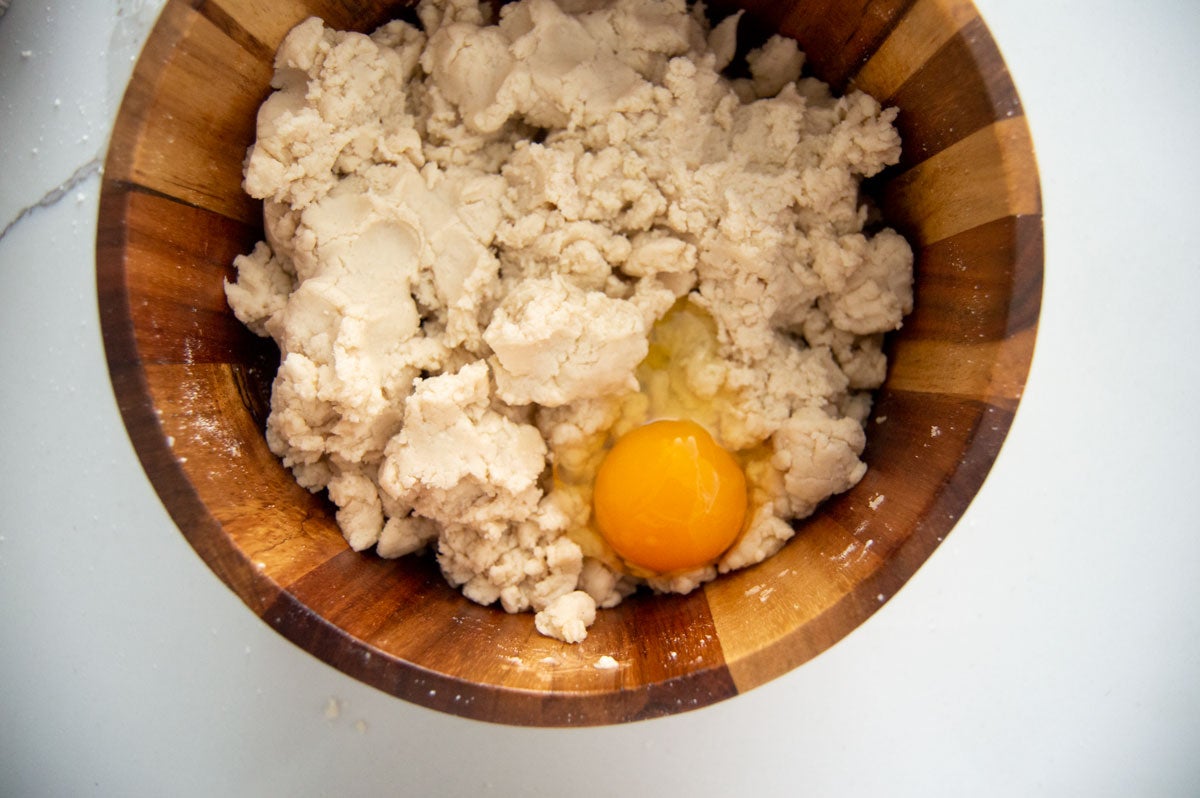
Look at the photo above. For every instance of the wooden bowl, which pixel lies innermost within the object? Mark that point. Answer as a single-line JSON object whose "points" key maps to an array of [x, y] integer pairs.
{"points": [[193, 384]]}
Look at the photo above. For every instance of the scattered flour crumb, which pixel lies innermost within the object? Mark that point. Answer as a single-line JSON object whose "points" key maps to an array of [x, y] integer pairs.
{"points": [[935, 431], [606, 663], [567, 617], [876, 500], [333, 709]]}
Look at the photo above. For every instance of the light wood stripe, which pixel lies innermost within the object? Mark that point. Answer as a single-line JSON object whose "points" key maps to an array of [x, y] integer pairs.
{"points": [[922, 31], [282, 530], [984, 371], [987, 176], [200, 102], [796, 586]]}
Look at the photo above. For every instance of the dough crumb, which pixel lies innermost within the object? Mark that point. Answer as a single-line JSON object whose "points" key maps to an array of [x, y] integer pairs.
{"points": [[494, 246], [567, 617]]}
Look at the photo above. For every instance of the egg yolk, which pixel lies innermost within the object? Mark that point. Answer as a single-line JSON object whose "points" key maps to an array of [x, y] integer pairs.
{"points": [[668, 497]]}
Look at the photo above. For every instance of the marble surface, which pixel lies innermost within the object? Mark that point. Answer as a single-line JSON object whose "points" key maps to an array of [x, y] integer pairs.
{"points": [[1050, 647]]}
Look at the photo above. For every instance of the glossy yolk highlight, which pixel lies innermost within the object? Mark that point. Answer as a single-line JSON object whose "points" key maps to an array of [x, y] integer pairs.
{"points": [[668, 498]]}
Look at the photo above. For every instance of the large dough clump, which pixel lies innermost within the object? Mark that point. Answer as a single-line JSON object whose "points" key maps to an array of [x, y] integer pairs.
{"points": [[543, 354], [475, 229]]}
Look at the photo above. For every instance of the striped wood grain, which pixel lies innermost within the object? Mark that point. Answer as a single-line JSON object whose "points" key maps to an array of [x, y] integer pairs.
{"points": [[192, 383]]}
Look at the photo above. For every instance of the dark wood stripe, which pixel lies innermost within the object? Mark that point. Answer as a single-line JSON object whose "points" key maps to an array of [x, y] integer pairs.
{"points": [[909, 525], [694, 675], [176, 259], [891, 540], [362, 15], [142, 420], [936, 112], [903, 446], [229, 26], [189, 142], [131, 187], [418, 630], [954, 463], [838, 37], [943, 442], [980, 285], [1025, 305]]}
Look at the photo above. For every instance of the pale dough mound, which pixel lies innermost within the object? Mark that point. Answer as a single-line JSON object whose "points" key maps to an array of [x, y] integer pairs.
{"points": [[475, 229], [542, 354]]}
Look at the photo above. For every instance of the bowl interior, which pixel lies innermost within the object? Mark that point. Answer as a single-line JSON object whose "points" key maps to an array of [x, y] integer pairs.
{"points": [[193, 383]]}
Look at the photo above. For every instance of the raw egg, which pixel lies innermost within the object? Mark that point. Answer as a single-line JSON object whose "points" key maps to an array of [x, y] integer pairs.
{"points": [[668, 498]]}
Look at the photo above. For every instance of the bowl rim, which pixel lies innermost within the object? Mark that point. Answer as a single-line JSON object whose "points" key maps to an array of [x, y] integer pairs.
{"points": [[282, 610]]}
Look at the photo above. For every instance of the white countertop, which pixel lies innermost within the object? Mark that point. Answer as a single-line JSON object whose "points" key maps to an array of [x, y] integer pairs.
{"points": [[1050, 647]]}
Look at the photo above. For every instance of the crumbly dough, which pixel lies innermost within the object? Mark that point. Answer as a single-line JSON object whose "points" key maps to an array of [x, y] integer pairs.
{"points": [[492, 246]]}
